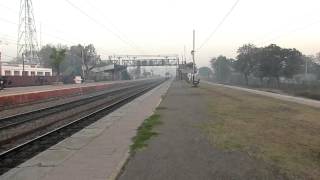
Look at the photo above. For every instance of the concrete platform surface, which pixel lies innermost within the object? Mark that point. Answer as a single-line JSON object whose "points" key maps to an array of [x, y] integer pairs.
{"points": [[183, 151], [96, 152]]}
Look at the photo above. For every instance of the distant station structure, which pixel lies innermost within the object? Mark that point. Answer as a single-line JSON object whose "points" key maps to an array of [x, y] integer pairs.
{"points": [[29, 70], [26, 69], [118, 64], [111, 71], [144, 60]]}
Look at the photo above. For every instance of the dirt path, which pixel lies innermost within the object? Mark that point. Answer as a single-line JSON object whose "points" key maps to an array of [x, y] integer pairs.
{"points": [[181, 151], [289, 98]]}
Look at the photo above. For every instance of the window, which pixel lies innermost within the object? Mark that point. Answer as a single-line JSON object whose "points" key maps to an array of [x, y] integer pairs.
{"points": [[33, 73], [40, 73], [47, 74], [25, 73], [7, 73], [16, 73]]}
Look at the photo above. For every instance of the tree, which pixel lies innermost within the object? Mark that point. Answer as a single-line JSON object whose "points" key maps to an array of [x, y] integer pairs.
{"points": [[125, 75], [72, 65], [246, 60], [44, 55], [317, 58], [271, 62], [274, 61], [57, 56], [222, 68], [313, 65], [293, 62], [205, 72], [90, 59]]}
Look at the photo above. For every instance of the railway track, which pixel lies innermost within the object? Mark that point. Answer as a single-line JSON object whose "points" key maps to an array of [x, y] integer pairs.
{"points": [[22, 124], [13, 121], [53, 132], [17, 119]]}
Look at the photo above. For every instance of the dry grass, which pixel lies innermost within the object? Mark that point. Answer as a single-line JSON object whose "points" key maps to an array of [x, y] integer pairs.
{"points": [[283, 134]]}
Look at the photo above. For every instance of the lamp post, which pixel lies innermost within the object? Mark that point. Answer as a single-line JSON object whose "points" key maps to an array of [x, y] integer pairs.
{"points": [[193, 58], [4, 43], [0, 66], [23, 58]]}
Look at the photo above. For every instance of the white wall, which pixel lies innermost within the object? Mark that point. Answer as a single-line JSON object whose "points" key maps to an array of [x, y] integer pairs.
{"points": [[18, 68]]}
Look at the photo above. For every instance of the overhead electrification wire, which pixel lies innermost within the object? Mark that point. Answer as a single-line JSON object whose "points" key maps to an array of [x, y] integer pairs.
{"points": [[126, 40], [289, 22], [100, 24], [113, 25], [12, 41], [8, 8], [56, 37], [290, 32], [219, 25], [8, 21], [52, 27]]}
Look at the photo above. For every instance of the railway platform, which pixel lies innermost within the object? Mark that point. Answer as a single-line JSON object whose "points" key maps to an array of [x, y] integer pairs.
{"points": [[98, 151], [10, 97]]}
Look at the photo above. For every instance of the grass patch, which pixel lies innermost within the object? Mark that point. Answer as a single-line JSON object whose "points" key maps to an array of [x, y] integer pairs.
{"points": [[283, 134], [145, 132]]}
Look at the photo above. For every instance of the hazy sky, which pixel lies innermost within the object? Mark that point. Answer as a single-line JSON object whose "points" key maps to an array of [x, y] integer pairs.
{"points": [[165, 26]]}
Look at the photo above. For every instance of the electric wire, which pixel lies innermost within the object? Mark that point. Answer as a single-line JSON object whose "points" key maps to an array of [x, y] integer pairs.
{"points": [[113, 25], [290, 32], [48, 34], [219, 25], [100, 24]]}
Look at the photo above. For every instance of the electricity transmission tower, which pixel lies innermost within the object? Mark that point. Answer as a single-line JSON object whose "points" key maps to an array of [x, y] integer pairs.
{"points": [[27, 44]]}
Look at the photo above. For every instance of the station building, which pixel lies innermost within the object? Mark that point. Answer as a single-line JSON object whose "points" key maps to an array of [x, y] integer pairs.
{"points": [[29, 70]]}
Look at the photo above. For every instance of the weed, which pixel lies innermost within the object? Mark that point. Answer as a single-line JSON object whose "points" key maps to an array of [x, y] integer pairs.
{"points": [[145, 132]]}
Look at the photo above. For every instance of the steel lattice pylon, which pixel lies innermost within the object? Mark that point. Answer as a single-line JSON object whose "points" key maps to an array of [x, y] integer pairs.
{"points": [[27, 44]]}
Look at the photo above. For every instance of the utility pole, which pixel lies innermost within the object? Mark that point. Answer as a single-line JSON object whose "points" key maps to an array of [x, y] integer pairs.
{"points": [[23, 59], [0, 66], [82, 58], [193, 54], [195, 82], [184, 54], [1, 54], [193, 51], [306, 70], [40, 36]]}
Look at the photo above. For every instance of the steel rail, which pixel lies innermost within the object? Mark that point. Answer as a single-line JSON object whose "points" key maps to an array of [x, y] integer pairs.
{"points": [[11, 154], [18, 119]]}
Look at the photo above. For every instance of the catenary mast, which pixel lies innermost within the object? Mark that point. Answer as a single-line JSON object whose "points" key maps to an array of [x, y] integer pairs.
{"points": [[27, 44]]}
